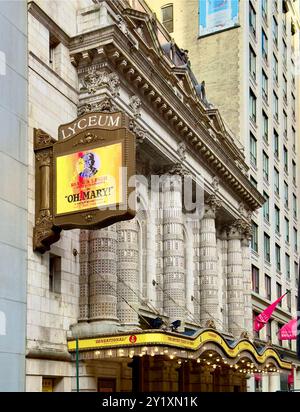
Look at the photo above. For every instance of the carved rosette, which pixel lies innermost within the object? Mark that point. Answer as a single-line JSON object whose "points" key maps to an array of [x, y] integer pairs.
{"points": [[95, 79]]}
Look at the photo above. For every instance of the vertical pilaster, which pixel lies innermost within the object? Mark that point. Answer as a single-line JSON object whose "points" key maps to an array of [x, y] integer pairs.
{"points": [[235, 282], [209, 307], [127, 272], [103, 275], [196, 268], [247, 284], [173, 244], [84, 276], [224, 248]]}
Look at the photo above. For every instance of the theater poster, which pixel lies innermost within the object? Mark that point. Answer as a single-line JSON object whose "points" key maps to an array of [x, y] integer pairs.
{"points": [[217, 15], [89, 179]]}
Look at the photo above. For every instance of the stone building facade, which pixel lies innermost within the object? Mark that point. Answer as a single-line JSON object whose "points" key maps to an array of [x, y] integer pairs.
{"points": [[173, 284]]}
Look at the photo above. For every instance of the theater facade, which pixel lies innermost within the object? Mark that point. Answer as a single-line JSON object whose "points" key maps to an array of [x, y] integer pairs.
{"points": [[161, 301]]}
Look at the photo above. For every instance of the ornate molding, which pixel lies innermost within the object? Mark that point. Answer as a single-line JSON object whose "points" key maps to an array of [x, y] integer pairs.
{"points": [[95, 79], [88, 138], [135, 105], [104, 105], [181, 150], [140, 133]]}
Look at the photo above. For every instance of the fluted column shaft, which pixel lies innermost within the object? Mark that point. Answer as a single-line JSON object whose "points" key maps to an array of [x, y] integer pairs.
{"points": [[196, 263], [103, 274], [235, 284], [209, 307], [248, 322], [224, 279], [84, 276], [173, 246], [127, 272]]}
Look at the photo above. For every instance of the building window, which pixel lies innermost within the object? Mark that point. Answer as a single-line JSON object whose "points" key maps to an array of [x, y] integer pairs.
{"points": [[252, 20], [275, 106], [264, 9], [252, 63], [277, 257], [253, 149], [267, 247], [289, 301], [295, 206], [286, 195], [280, 325], [275, 31], [255, 333], [276, 143], [266, 207], [265, 126], [275, 69], [277, 219], [253, 181], [293, 105], [265, 166], [279, 291], [54, 274], [254, 237], [252, 106], [167, 17], [295, 240], [284, 52], [268, 286], [269, 331], [264, 45], [296, 274], [284, 124], [294, 171], [285, 159], [284, 88], [276, 181], [264, 86], [287, 266], [294, 138], [255, 279], [287, 230]]}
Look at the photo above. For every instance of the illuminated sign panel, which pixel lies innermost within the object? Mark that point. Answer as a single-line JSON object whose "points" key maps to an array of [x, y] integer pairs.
{"points": [[85, 179], [217, 15], [89, 179]]}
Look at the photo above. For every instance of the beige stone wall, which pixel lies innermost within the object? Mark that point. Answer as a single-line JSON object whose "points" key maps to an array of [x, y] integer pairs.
{"points": [[211, 59]]}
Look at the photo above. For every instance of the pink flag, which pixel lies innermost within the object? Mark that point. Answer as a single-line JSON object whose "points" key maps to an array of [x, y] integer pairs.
{"points": [[264, 316], [288, 331]]}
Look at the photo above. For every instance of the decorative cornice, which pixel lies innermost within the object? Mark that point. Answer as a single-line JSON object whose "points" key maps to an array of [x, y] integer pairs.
{"points": [[185, 120]]}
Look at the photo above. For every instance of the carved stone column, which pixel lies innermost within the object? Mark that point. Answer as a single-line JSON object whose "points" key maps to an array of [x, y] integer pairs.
{"points": [[209, 306], [235, 284], [127, 272], [248, 322], [84, 276], [173, 246], [223, 285], [196, 261], [103, 275]]}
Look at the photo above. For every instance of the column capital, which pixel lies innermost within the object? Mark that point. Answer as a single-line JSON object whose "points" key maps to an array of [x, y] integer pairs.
{"points": [[212, 204], [235, 230]]}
